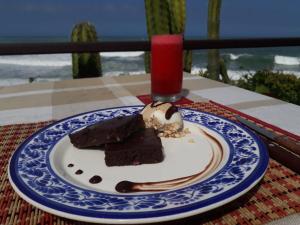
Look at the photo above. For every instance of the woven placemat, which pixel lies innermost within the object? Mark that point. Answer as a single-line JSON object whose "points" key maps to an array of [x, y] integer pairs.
{"points": [[276, 196]]}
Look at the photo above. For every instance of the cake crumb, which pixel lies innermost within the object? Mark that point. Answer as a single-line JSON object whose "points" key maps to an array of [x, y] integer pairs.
{"points": [[191, 140]]}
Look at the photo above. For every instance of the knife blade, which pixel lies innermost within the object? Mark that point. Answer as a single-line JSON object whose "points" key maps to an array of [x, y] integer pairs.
{"points": [[285, 141]]}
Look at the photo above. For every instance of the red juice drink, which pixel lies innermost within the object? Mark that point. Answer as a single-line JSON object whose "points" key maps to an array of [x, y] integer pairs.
{"points": [[166, 67]]}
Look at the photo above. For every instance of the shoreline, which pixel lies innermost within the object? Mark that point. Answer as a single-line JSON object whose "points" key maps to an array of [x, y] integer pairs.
{"points": [[20, 69], [234, 75]]}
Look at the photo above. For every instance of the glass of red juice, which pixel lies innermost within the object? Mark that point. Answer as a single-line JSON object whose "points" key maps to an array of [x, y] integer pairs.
{"points": [[166, 67]]}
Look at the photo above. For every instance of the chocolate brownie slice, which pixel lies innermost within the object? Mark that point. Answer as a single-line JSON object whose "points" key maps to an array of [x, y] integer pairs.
{"points": [[141, 147], [107, 131]]}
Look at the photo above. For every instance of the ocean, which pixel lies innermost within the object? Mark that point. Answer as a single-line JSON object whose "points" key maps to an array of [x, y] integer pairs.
{"points": [[52, 67]]}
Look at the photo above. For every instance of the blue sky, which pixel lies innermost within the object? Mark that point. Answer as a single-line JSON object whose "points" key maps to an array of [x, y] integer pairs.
{"points": [[240, 18]]}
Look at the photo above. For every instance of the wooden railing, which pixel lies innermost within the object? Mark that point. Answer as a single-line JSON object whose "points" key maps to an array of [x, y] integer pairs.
{"points": [[109, 46]]}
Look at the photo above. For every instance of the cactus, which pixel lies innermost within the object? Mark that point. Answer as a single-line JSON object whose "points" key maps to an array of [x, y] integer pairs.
{"points": [[187, 60], [157, 18], [166, 17], [213, 27], [85, 64], [223, 71], [215, 64], [177, 20], [177, 16]]}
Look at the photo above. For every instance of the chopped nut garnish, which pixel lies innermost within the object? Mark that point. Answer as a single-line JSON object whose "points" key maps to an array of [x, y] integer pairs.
{"points": [[166, 130]]}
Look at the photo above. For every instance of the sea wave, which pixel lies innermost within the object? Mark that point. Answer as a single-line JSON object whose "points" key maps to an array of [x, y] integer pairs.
{"points": [[58, 60], [121, 54], [233, 74], [55, 60], [197, 70], [286, 60], [237, 56], [49, 67], [17, 81], [120, 73], [237, 74], [34, 63]]}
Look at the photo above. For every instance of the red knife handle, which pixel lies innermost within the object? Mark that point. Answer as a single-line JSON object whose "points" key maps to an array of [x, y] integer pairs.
{"points": [[293, 146]]}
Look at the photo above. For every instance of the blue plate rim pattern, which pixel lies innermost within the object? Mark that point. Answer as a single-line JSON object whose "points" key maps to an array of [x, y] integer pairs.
{"points": [[147, 216]]}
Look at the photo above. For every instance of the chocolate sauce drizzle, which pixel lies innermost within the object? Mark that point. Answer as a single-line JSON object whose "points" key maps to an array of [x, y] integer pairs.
{"points": [[154, 104], [128, 186], [216, 141], [173, 109], [95, 179], [169, 113], [125, 186], [78, 172]]}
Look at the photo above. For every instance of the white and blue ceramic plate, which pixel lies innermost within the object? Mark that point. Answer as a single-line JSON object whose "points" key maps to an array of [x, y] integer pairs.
{"points": [[230, 159]]}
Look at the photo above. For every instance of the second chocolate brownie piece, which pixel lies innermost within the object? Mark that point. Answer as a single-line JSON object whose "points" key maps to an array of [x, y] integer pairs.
{"points": [[141, 147], [107, 131]]}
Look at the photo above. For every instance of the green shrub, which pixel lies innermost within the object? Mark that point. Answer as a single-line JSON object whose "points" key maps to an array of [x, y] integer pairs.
{"points": [[275, 84]]}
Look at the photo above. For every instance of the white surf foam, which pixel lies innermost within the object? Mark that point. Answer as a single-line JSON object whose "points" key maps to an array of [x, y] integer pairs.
{"points": [[296, 73], [55, 60], [196, 70], [233, 74], [121, 54], [120, 73], [286, 60], [237, 56], [237, 74]]}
